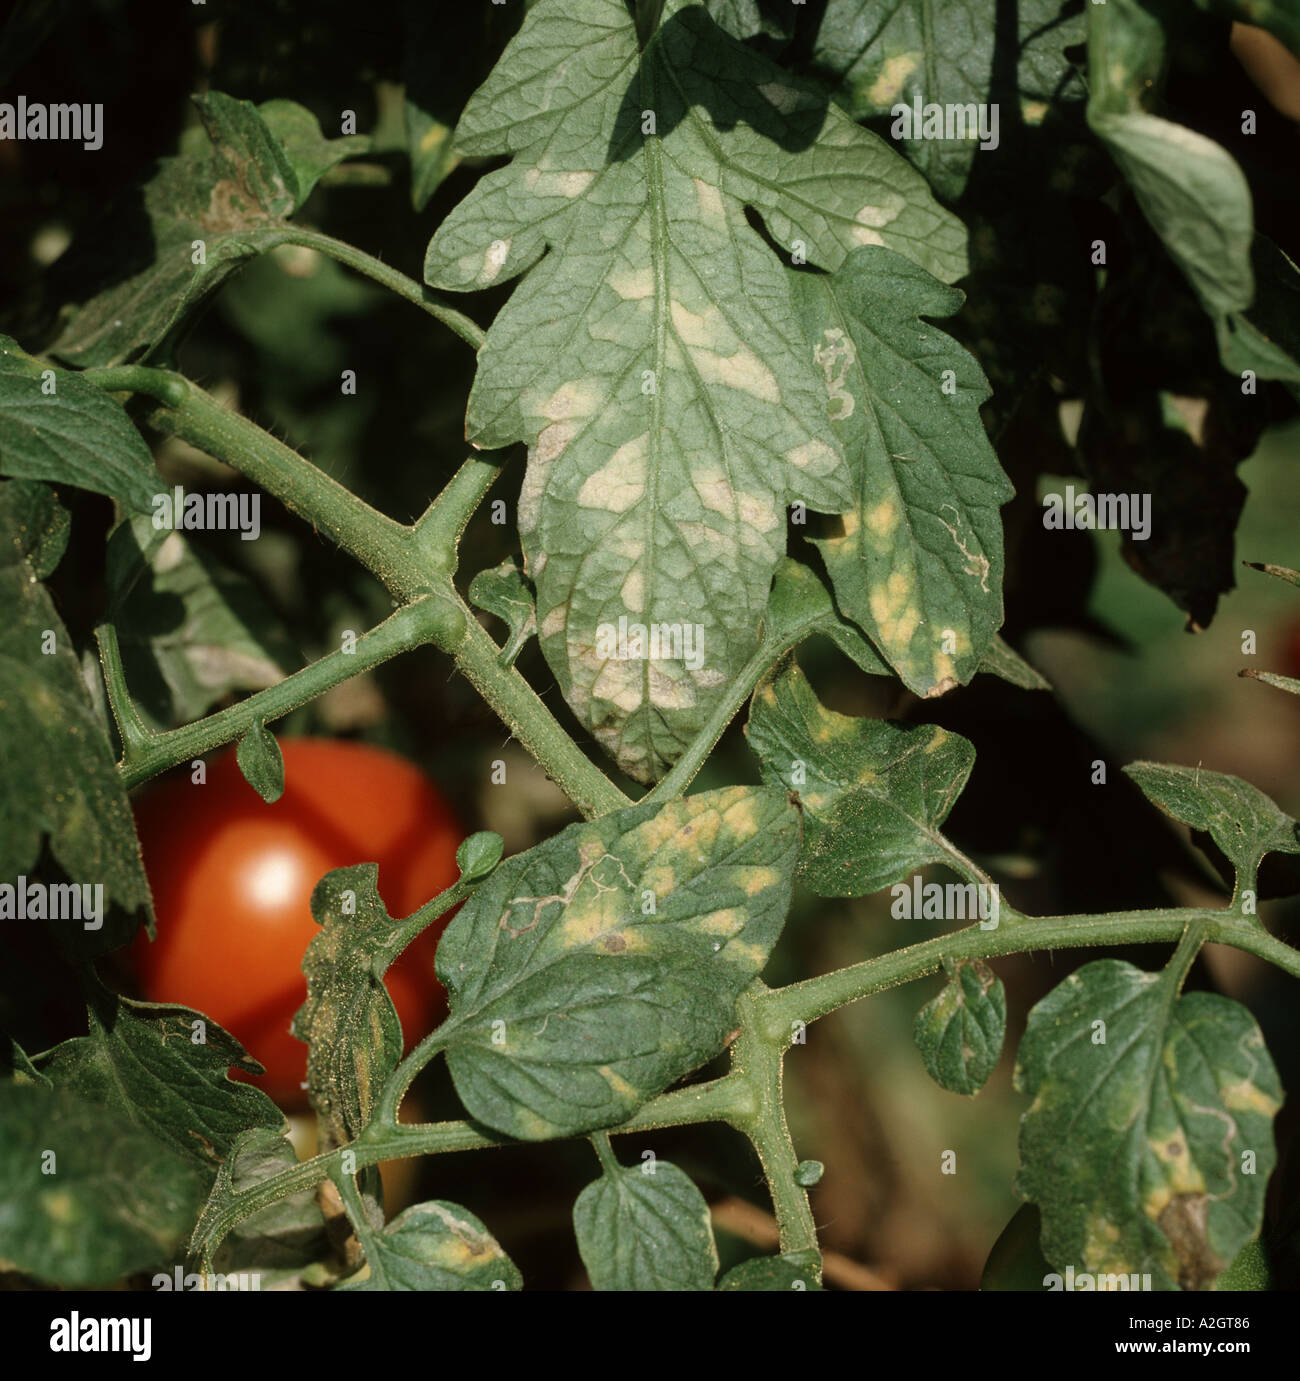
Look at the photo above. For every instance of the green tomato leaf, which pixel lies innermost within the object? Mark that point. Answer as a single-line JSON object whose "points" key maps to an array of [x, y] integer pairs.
{"points": [[1266, 337], [281, 1242], [308, 153], [960, 1032], [504, 591], [348, 1019], [189, 629], [639, 1231], [590, 972], [1240, 819], [651, 357], [261, 762], [762, 19], [873, 794], [800, 605], [58, 779], [918, 562], [793, 1271], [230, 188], [1189, 188], [1149, 1141], [920, 53], [86, 1196], [41, 524], [164, 1067], [437, 1246], [478, 855], [58, 427]]}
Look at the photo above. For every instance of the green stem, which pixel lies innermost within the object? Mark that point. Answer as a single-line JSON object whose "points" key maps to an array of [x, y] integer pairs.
{"points": [[519, 705], [719, 1100], [184, 410], [395, 281], [435, 538], [411, 626], [132, 730], [758, 1060], [605, 1152], [815, 997]]}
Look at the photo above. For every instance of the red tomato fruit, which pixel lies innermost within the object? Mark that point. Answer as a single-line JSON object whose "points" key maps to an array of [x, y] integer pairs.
{"points": [[232, 879]]}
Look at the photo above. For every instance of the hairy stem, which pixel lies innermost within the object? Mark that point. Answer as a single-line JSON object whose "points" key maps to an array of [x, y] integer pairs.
{"points": [[469, 331]]}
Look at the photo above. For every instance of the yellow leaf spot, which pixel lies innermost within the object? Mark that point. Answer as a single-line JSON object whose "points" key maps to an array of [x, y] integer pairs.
{"points": [[621, 481], [634, 285], [1248, 1097], [710, 201], [888, 85], [619, 1085], [727, 922], [752, 881], [494, 259], [620, 684]]}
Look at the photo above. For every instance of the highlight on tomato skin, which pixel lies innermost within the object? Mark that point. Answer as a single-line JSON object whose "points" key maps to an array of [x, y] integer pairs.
{"points": [[232, 879]]}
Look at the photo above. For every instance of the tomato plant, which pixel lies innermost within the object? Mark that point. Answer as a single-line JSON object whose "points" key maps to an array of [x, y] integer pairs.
{"points": [[232, 877], [766, 459]]}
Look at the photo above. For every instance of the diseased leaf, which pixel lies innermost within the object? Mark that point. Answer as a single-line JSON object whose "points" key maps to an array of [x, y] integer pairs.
{"points": [[646, 1232], [58, 780], [873, 794], [959, 1033], [165, 1068], [651, 357], [438, 1246], [230, 188], [918, 561], [112, 1200], [1144, 1106], [593, 970], [1189, 188], [280, 1242], [504, 591], [800, 606], [349, 1019], [1240, 819], [189, 628], [74, 435], [921, 53], [793, 1271]]}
